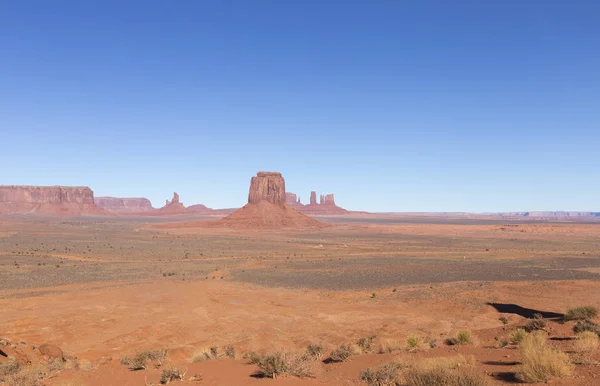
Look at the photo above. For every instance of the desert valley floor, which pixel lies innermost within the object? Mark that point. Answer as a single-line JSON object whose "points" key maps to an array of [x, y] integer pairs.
{"points": [[102, 289]]}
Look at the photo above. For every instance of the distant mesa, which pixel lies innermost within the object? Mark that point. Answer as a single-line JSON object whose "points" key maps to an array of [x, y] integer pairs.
{"points": [[143, 207], [325, 206], [64, 201], [124, 205]]}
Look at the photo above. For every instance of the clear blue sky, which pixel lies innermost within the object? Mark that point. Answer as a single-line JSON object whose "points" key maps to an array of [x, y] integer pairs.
{"points": [[391, 105]]}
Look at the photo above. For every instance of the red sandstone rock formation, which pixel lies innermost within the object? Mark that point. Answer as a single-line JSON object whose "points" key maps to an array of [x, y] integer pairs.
{"points": [[326, 205], [48, 200], [124, 205], [173, 206], [267, 186], [313, 198]]}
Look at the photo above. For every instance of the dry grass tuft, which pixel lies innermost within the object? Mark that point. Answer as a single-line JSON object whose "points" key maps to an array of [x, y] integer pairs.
{"points": [[586, 325], [587, 342], [9, 368], [439, 376], [536, 324], [540, 362], [341, 354], [388, 346], [385, 375], [170, 375], [462, 337], [314, 352], [366, 343], [517, 336], [141, 359], [581, 313], [29, 376], [285, 363]]}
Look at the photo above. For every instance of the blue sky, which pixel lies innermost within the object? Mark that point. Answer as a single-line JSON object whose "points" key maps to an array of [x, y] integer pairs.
{"points": [[391, 105]]}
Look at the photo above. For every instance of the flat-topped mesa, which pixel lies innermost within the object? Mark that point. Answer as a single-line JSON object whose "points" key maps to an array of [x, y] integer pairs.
{"points": [[124, 205], [48, 200], [267, 186], [47, 194]]}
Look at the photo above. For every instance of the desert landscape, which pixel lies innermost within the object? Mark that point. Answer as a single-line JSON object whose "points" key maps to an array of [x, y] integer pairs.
{"points": [[125, 294]]}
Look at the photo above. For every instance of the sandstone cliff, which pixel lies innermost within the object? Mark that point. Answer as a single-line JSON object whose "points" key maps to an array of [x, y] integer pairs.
{"points": [[124, 205], [325, 206], [267, 186], [48, 200]]}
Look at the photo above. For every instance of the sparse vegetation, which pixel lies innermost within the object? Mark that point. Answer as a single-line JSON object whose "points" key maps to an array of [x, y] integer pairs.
{"points": [[581, 313], [8, 368], [413, 342], [170, 375], [540, 362], [141, 359], [385, 375], [28, 376], [586, 325], [282, 363], [341, 353], [517, 336], [434, 376], [462, 337], [314, 351], [586, 342], [503, 320], [365, 344], [536, 324], [230, 351]]}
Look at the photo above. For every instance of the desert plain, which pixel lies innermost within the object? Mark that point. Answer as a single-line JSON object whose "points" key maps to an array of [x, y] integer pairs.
{"points": [[103, 289]]}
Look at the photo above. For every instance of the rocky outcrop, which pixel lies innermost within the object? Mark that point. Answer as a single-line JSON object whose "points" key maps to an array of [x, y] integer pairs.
{"points": [[327, 199], [325, 206], [48, 200], [267, 186], [173, 206], [266, 207], [124, 205], [313, 198], [550, 214]]}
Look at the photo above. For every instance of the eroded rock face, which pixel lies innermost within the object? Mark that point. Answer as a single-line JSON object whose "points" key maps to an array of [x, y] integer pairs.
{"points": [[48, 200], [47, 194], [173, 206], [267, 186], [313, 198], [124, 205], [325, 206]]}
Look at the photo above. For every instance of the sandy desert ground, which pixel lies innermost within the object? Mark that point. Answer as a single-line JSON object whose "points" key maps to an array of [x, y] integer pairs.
{"points": [[104, 289]]}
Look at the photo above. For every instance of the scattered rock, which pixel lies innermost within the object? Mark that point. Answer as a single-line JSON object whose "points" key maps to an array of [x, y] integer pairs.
{"points": [[51, 351]]}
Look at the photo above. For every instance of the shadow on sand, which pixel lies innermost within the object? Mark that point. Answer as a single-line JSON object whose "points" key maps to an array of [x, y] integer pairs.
{"points": [[524, 312]]}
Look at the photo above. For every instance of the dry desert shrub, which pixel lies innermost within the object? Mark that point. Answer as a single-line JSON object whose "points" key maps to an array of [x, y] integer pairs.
{"points": [[462, 337], [9, 368], [314, 352], [29, 376], [586, 342], [440, 376], [170, 375], [230, 351], [517, 336], [366, 343], [286, 363], [586, 325], [581, 313], [385, 375], [141, 359], [537, 323], [341, 353], [388, 346], [539, 362], [444, 371]]}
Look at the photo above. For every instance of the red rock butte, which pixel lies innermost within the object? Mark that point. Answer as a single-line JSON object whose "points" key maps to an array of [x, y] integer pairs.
{"points": [[266, 207], [49, 200], [325, 206]]}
